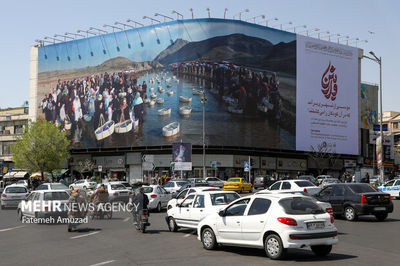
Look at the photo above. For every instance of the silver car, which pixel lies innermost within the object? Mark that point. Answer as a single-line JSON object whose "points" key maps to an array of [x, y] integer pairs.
{"points": [[215, 182], [13, 195]]}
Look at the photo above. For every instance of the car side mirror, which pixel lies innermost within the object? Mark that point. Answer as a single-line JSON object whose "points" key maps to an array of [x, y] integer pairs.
{"points": [[221, 213]]}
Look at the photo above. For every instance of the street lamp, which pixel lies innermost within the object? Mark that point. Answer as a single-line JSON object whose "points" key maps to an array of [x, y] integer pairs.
{"points": [[240, 13], [99, 30], [140, 37], [268, 20], [208, 10], [203, 101], [294, 28], [379, 61], [155, 31], [319, 33], [191, 11], [225, 10], [355, 39], [129, 20], [164, 16], [115, 37], [358, 41], [308, 31], [254, 18], [338, 39], [329, 36], [280, 25], [87, 32], [177, 14]]}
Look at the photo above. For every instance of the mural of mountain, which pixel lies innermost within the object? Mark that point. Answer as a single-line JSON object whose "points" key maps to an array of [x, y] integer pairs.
{"points": [[237, 48], [178, 44], [111, 65]]}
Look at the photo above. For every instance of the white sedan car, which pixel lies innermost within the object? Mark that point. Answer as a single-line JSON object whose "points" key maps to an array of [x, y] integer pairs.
{"points": [[116, 192], [83, 184], [173, 186], [295, 185], [392, 187], [158, 197], [181, 195], [196, 206], [273, 222]]}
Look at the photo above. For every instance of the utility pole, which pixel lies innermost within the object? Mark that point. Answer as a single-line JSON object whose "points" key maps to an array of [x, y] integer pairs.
{"points": [[249, 169], [204, 100]]}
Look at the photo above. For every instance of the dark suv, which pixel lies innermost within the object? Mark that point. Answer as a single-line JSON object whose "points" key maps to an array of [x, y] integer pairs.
{"points": [[353, 200]]}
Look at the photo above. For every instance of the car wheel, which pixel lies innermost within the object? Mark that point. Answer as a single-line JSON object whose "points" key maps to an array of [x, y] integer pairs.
{"points": [[1, 207], [321, 250], [273, 247], [350, 214], [172, 225], [208, 239], [381, 216], [20, 215], [159, 207]]}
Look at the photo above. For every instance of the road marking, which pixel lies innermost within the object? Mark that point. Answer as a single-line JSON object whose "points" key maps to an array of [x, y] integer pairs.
{"points": [[127, 219], [12, 228], [103, 263], [74, 237]]}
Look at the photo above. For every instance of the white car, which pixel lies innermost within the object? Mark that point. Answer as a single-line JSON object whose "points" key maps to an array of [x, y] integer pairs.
{"points": [[329, 181], [22, 183], [273, 222], [392, 187], [196, 206], [321, 178], [116, 192], [215, 182], [36, 198], [174, 186], [295, 186], [324, 205], [13, 195], [53, 186], [158, 197], [83, 184], [181, 195]]}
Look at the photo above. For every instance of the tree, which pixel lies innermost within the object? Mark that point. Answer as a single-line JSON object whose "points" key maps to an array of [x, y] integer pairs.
{"points": [[42, 148], [86, 165], [322, 153]]}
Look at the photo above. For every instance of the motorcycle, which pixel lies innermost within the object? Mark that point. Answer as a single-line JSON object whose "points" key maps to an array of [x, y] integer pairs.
{"points": [[141, 219]]}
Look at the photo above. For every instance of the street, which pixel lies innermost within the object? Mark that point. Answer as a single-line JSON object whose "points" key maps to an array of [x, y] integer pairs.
{"points": [[116, 242]]}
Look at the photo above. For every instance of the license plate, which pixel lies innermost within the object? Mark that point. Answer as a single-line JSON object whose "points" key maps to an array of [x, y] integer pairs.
{"points": [[315, 225], [380, 209]]}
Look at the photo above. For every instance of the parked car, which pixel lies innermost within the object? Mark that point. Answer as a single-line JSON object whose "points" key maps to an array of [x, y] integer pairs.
{"points": [[196, 206], [198, 182], [295, 185], [237, 184], [158, 197], [83, 184], [263, 182], [320, 178], [215, 182], [126, 184], [178, 198], [355, 199], [273, 222], [310, 178], [329, 181], [23, 183], [13, 195], [36, 198], [391, 187], [173, 186], [116, 192], [53, 186]]}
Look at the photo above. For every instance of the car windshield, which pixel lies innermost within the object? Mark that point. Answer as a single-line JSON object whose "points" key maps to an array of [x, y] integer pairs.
{"points": [[16, 190], [362, 188], [331, 181], [126, 184], [223, 198], [21, 182], [234, 180], [200, 181], [117, 187], [300, 205], [304, 184], [55, 196], [58, 186], [181, 183]]}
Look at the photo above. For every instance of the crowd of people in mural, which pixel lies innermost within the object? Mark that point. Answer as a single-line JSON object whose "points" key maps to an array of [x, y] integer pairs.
{"points": [[251, 90], [95, 99]]}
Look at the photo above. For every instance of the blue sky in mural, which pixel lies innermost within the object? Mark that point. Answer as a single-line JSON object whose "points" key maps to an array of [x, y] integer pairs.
{"points": [[77, 54]]}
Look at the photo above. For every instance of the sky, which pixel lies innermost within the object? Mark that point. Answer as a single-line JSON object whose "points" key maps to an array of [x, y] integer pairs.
{"points": [[24, 21]]}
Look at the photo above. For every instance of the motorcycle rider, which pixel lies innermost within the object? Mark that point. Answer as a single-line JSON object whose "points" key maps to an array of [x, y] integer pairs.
{"points": [[140, 202], [100, 197], [76, 200]]}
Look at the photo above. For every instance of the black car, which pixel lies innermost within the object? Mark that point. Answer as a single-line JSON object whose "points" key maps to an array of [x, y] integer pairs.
{"points": [[263, 182], [353, 200]]}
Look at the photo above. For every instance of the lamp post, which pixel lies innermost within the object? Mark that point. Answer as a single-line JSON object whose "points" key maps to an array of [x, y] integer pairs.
{"points": [[225, 10], [208, 10], [308, 31], [191, 11], [379, 61], [294, 28], [254, 18], [280, 25], [87, 32], [338, 39], [99, 30], [177, 14], [203, 101], [152, 19], [240, 13], [113, 27], [164, 16], [130, 20]]}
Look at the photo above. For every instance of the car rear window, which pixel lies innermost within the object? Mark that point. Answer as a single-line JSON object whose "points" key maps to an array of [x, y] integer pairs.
{"points": [[126, 184], [304, 184], [58, 186], [16, 190], [300, 205], [223, 198], [148, 189], [117, 187], [55, 196], [181, 183], [234, 180], [362, 188]]}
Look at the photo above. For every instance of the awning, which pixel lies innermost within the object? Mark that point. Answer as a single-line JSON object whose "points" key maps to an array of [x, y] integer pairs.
{"points": [[9, 175], [37, 175], [20, 174], [15, 174]]}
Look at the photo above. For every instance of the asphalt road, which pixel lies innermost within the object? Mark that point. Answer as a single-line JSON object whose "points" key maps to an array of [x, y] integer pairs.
{"points": [[116, 242]]}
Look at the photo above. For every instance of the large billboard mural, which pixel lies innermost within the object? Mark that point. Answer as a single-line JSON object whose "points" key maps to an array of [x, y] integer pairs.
{"points": [[144, 86]]}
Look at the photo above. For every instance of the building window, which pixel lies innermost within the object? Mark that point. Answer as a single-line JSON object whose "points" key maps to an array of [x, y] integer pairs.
{"points": [[395, 125], [18, 129], [6, 147]]}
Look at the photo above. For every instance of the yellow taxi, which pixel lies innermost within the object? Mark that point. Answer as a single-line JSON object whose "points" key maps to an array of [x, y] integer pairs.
{"points": [[237, 184]]}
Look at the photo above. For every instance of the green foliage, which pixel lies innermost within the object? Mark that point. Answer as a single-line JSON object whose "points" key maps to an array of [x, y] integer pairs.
{"points": [[42, 148]]}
